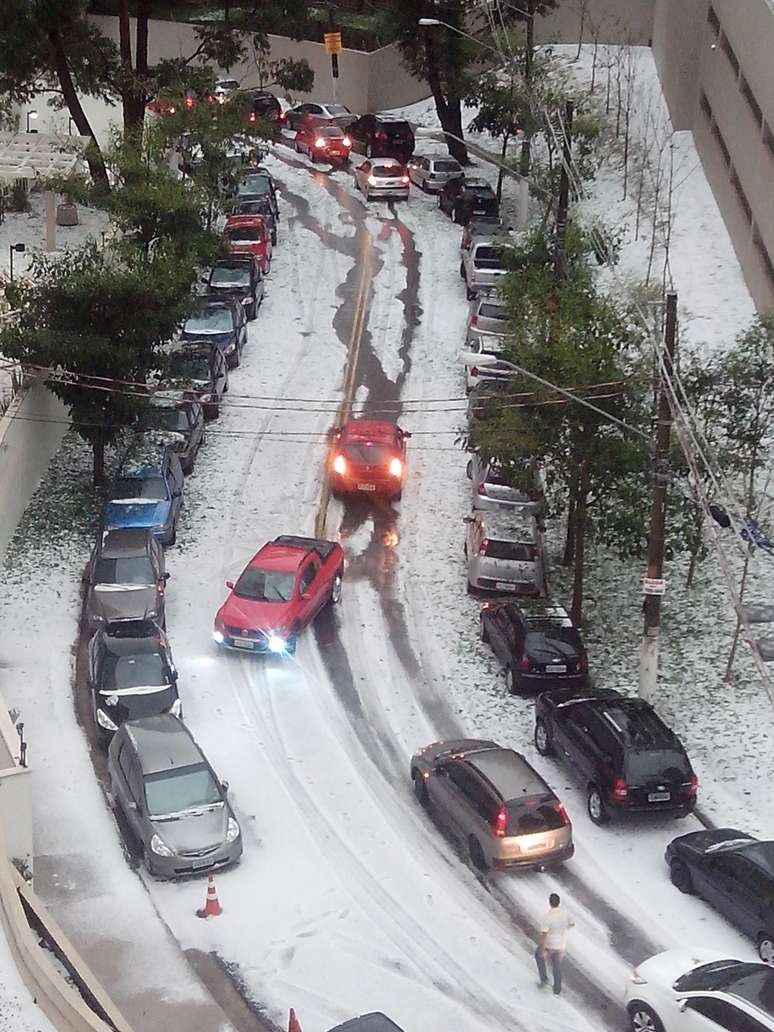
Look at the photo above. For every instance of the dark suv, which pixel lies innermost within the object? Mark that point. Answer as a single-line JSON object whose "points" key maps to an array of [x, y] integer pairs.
{"points": [[628, 760], [379, 137], [462, 198], [536, 643], [237, 278]]}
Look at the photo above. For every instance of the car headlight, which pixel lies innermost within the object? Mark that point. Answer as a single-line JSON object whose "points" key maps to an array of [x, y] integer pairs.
{"points": [[246, 301], [230, 348], [104, 721], [176, 708], [232, 831], [217, 636], [205, 397], [637, 979], [159, 847], [277, 643]]}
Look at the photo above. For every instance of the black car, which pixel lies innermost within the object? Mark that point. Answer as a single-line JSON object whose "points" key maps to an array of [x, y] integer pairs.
{"points": [[199, 371], [237, 278], [380, 137], [255, 185], [222, 322], [177, 422], [131, 675], [733, 872], [462, 198], [262, 104], [537, 644], [625, 756], [259, 206]]}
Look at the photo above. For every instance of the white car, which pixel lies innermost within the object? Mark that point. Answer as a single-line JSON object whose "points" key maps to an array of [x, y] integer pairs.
{"points": [[224, 89], [483, 266], [482, 362], [382, 177], [700, 991]]}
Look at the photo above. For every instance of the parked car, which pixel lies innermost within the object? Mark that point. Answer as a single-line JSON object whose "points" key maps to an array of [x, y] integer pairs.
{"points": [[125, 579], [504, 552], [312, 113], [176, 422], [483, 362], [625, 756], [382, 177], [224, 89], [323, 143], [375, 1021], [734, 873], [483, 266], [262, 206], [147, 493], [370, 457], [222, 322], [131, 675], [487, 315], [699, 990], [487, 227], [200, 372], [379, 136], [255, 185], [498, 485], [536, 643], [171, 798], [461, 198], [487, 393], [262, 104], [494, 802], [432, 174], [238, 278], [248, 233], [280, 591]]}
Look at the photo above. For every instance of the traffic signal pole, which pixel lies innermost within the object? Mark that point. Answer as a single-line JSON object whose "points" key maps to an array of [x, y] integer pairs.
{"points": [[333, 46], [653, 586]]}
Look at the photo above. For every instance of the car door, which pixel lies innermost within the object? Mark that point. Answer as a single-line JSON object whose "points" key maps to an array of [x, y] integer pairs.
{"points": [[241, 320], [569, 733], [175, 477], [457, 792], [127, 787], [720, 887], [748, 898], [218, 372], [711, 1014], [496, 629]]}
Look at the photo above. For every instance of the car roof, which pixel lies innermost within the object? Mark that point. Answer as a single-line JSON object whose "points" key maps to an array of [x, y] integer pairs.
{"points": [[542, 610], [508, 772], [760, 852], [281, 557], [126, 646], [162, 742], [124, 543], [508, 524], [194, 348], [386, 162], [369, 429], [476, 181], [373, 1022]]}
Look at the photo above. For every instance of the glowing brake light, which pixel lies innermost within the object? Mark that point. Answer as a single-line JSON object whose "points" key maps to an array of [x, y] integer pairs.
{"points": [[620, 791], [320, 141], [347, 142], [693, 786], [483, 546], [339, 465], [562, 811], [474, 370], [189, 103], [252, 117], [396, 467], [501, 823], [171, 109]]}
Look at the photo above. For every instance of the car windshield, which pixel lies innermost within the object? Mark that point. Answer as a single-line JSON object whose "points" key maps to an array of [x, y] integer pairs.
{"points": [[244, 234], [190, 367], [174, 791], [363, 454], [132, 570], [213, 320], [255, 185], [641, 765], [487, 258], [446, 166], [265, 585], [532, 815], [144, 669], [223, 276], [386, 171], [145, 488], [164, 419], [753, 982]]}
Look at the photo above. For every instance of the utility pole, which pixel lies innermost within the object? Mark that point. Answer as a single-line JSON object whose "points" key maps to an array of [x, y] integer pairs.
{"points": [[333, 47], [653, 586], [564, 195]]}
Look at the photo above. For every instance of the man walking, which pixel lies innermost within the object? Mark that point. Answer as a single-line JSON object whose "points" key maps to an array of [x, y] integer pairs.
{"points": [[552, 941]]}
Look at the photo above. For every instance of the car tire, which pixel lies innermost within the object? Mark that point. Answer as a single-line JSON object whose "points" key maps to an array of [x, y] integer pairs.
{"points": [[543, 742], [595, 805], [253, 313], [462, 270], [420, 789], [680, 876], [477, 857], [643, 1018], [483, 633], [336, 587], [274, 238], [173, 539], [766, 948], [397, 496], [510, 681]]}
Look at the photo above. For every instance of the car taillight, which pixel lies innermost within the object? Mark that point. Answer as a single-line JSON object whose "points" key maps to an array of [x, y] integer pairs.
{"points": [[693, 785], [404, 179], [396, 467], [320, 141], [562, 811], [282, 116], [474, 321], [483, 547], [474, 370], [171, 109], [347, 142], [372, 180], [339, 464], [525, 663], [533, 551], [189, 103], [620, 791], [501, 823], [481, 489], [251, 117], [381, 135]]}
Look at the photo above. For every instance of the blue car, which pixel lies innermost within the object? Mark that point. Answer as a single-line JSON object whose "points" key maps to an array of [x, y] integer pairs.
{"points": [[147, 495]]}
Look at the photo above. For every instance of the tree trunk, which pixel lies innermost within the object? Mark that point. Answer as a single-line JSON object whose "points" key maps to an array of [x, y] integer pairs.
{"points": [[580, 29], [735, 642], [98, 462], [500, 171], [569, 541], [576, 609], [449, 107], [142, 59], [93, 154]]}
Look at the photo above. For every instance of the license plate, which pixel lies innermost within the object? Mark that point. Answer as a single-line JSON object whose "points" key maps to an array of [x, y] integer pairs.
{"points": [[556, 668], [243, 643], [205, 862], [479, 211], [534, 845], [503, 585], [366, 487], [659, 797]]}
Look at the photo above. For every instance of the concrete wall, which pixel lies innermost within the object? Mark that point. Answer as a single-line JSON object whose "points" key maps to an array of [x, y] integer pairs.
{"points": [[676, 48], [31, 430], [612, 21]]}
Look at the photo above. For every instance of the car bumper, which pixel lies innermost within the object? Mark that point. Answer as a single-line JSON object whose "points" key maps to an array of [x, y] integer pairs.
{"points": [[254, 646], [633, 811], [365, 487], [545, 682], [163, 534], [555, 856], [502, 587], [399, 193], [179, 866]]}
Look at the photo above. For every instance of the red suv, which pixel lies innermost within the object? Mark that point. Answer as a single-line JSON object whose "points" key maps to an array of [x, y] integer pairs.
{"points": [[249, 233], [369, 457]]}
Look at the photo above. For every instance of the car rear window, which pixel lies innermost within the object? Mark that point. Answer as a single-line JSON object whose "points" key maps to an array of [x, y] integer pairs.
{"points": [[265, 585], [754, 982], [137, 671], [512, 550], [164, 419], [445, 166], [540, 637], [244, 234], [491, 312], [386, 171], [147, 488], [222, 276], [487, 258], [642, 765], [134, 570], [175, 791], [368, 454], [397, 128], [532, 815]]}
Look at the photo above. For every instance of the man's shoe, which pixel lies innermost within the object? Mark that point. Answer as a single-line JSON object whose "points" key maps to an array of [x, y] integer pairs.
{"points": [[557, 992]]}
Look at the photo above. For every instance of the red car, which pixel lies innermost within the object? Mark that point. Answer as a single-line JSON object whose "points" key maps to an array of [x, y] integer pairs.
{"points": [[323, 143], [249, 233], [369, 456], [280, 591]]}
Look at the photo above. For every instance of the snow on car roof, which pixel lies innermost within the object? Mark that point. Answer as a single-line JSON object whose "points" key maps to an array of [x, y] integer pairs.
{"points": [[369, 428]]}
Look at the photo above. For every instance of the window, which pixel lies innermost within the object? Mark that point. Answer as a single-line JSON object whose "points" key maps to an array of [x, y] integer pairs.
{"points": [[265, 585], [705, 106], [749, 96], [185, 788], [726, 867], [725, 1015], [307, 577], [721, 143], [125, 762], [728, 50], [742, 197], [713, 20]]}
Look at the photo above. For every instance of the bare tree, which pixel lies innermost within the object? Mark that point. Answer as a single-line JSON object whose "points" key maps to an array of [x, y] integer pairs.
{"points": [[629, 90], [582, 7]]}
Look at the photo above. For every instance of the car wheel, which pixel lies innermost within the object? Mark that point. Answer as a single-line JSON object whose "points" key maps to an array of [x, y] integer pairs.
{"points": [[253, 312], [336, 588], [274, 238], [766, 948], [476, 854], [681, 876], [420, 789], [173, 539], [483, 632], [510, 681], [642, 1018], [595, 805], [543, 742], [462, 270]]}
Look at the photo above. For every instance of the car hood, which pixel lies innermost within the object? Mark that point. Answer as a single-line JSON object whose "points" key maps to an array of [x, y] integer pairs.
{"points": [[237, 290], [701, 841], [665, 968], [194, 829], [216, 336], [255, 616], [135, 514], [438, 750], [122, 601], [137, 703]]}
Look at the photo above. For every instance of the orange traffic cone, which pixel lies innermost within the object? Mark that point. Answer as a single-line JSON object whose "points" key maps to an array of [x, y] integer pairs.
{"points": [[293, 1025], [212, 907]]}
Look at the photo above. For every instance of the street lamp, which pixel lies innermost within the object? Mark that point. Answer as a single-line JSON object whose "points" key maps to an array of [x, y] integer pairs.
{"points": [[31, 115], [20, 248]]}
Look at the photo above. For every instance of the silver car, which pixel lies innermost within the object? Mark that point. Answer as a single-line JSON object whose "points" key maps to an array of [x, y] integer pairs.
{"points": [[483, 266], [432, 174], [492, 486], [125, 578], [382, 177], [375, 1021], [504, 550], [494, 802], [482, 361], [172, 800], [487, 315]]}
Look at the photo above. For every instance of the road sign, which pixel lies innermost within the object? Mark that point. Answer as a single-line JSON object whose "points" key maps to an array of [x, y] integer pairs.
{"points": [[653, 586], [332, 43]]}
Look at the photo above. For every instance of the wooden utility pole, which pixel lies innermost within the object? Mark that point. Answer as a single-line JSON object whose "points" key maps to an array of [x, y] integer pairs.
{"points": [[653, 586], [564, 195]]}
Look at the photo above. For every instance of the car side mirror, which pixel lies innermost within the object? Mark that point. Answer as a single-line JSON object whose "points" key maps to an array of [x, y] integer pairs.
{"points": [[224, 787], [306, 594], [406, 433], [230, 585]]}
